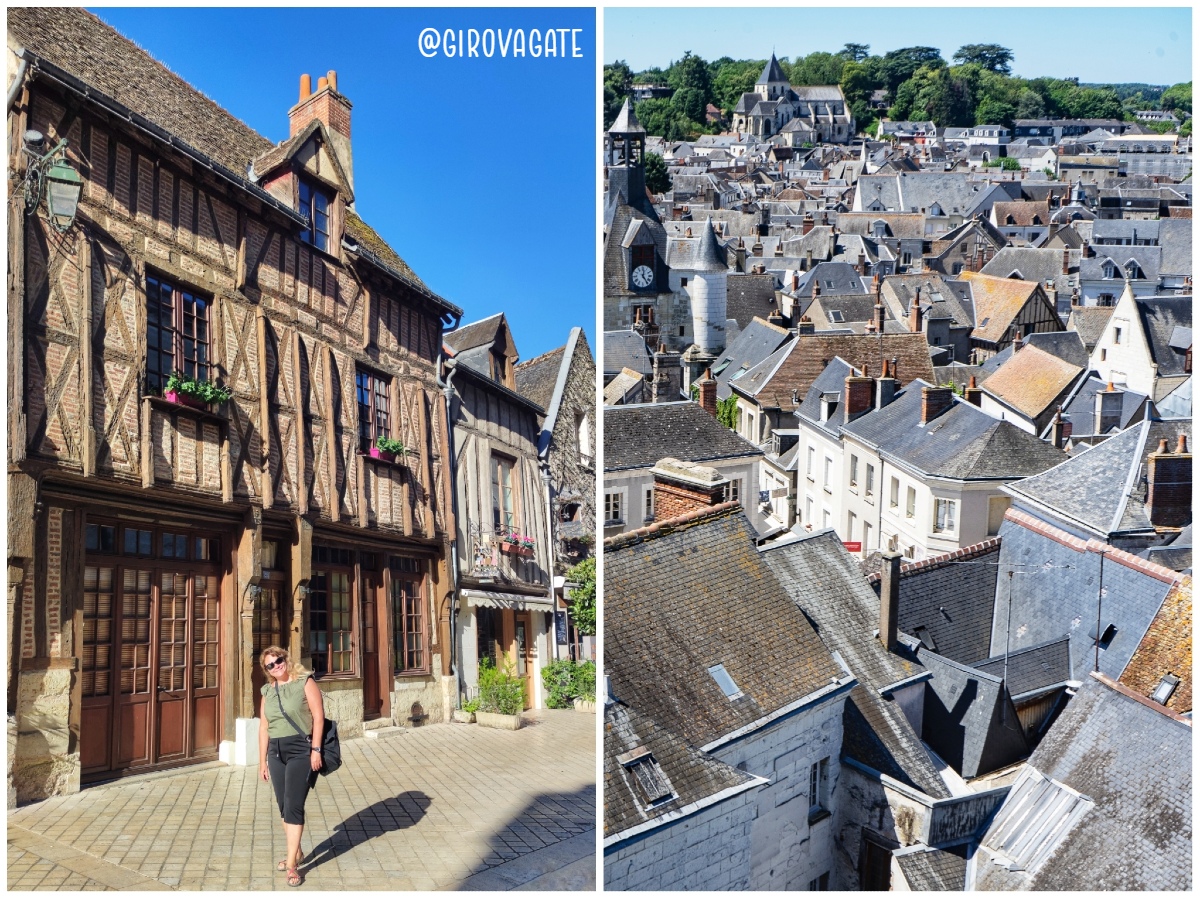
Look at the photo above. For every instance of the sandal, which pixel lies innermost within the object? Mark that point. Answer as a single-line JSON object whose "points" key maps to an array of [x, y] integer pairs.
{"points": [[293, 878], [283, 865]]}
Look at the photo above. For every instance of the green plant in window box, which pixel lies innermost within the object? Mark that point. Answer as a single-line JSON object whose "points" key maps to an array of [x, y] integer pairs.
{"points": [[471, 706], [388, 449], [200, 391]]}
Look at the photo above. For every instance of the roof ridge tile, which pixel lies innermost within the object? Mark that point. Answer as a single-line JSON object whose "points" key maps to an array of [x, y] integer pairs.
{"points": [[669, 526]]}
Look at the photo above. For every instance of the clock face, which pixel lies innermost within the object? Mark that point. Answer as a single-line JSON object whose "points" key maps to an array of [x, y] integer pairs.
{"points": [[643, 276]]}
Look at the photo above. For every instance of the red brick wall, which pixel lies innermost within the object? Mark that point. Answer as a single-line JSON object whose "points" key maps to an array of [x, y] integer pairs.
{"points": [[672, 499]]}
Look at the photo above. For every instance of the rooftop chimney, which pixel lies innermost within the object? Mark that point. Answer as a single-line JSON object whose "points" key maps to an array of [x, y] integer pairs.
{"points": [[1108, 409], [667, 383], [935, 401], [683, 487], [889, 600], [914, 313], [860, 395], [707, 388], [973, 394], [1059, 430], [805, 326], [329, 107], [879, 317], [1066, 261], [807, 224], [887, 385], [1169, 485]]}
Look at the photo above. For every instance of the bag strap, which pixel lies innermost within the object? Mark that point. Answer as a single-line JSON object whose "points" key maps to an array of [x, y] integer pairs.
{"points": [[286, 715]]}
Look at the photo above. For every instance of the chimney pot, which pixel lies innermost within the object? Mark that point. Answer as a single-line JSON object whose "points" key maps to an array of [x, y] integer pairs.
{"points": [[1162, 447], [322, 83], [1181, 447], [305, 86], [331, 77]]}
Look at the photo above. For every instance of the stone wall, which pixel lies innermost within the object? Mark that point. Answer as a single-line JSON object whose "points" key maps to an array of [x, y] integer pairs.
{"points": [[46, 760], [344, 704], [706, 851], [866, 804], [787, 852]]}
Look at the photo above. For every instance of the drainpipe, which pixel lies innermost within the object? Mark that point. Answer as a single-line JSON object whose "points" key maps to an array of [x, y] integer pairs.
{"points": [[544, 465], [448, 365], [18, 79]]}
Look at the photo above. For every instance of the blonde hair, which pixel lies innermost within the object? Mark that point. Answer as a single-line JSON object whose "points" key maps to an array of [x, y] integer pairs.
{"points": [[295, 669]]}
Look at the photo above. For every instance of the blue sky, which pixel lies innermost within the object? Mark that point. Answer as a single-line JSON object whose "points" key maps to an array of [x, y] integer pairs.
{"points": [[479, 172], [1150, 45]]}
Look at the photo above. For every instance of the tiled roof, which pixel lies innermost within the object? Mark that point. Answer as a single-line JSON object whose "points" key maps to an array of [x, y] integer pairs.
{"points": [[365, 236], [691, 775], [626, 349], [805, 359], [969, 718], [935, 869], [997, 302], [951, 596], [537, 377], [1132, 767], [1031, 380], [824, 581], [1166, 649], [692, 593], [900, 225], [1022, 212], [638, 436], [618, 389], [1033, 669], [1089, 322]]}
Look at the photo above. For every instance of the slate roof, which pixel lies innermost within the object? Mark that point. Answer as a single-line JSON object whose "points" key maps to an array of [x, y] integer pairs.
{"points": [[1134, 833], [475, 334], [798, 364], [963, 443], [748, 296], [830, 381], [1175, 238], [84, 46], [1034, 669], [1089, 322], [824, 581], [1031, 380], [1166, 648], [638, 436], [834, 277], [1080, 408], [1103, 488], [1148, 259], [1054, 591], [1035, 264], [1023, 213], [756, 341], [620, 216], [626, 121], [537, 377], [969, 718], [997, 302], [900, 225], [951, 596], [939, 294], [1160, 317], [692, 775], [686, 594], [934, 869], [626, 349]]}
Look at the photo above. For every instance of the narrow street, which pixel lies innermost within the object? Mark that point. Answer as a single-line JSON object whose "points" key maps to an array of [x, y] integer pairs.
{"points": [[446, 806]]}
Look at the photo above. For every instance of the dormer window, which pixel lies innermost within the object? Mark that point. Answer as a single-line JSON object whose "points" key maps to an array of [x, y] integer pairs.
{"points": [[314, 204]]}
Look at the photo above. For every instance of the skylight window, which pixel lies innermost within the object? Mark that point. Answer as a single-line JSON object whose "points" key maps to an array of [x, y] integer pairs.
{"points": [[725, 682], [1166, 687], [836, 315], [648, 777]]}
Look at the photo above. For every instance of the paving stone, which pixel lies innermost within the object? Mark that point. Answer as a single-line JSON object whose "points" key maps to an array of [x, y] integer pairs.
{"points": [[432, 811]]}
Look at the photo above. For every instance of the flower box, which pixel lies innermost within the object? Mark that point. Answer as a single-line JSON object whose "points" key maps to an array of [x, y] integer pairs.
{"points": [[384, 455], [495, 719], [183, 399], [516, 549], [584, 705]]}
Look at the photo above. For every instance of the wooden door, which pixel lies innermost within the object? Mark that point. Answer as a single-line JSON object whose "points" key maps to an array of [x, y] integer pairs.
{"points": [[97, 687], [171, 686], [267, 630], [372, 679], [136, 685], [523, 649]]}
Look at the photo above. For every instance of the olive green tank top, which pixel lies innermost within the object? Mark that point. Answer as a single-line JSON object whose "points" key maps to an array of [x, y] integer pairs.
{"points": [[295, 703]]}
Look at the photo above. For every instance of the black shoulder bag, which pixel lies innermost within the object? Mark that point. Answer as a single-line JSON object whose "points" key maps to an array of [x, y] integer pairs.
{"points": [[331, 749]]}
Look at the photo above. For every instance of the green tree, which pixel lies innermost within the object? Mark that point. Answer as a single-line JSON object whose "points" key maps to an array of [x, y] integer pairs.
{"points": [[817, 68], [1177, 97], [582, 600], [855, 52], [657, 179], [934, 94], [661, 117], [732, 78], [691, 103], [1030, 105], [857, 86], [1185, 130], [995, 112], [991, 56], [691, 74], [898, 66], [727, 412]]}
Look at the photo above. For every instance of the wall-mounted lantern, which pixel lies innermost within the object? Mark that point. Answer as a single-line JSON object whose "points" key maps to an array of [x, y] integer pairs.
{"points": [[52, 176]]}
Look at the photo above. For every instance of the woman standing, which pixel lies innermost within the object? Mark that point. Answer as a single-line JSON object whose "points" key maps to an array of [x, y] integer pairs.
{"points": [[289, 751]]}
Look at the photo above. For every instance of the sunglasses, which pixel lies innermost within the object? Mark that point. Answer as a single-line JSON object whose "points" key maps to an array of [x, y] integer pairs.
{"points": [[276, 663]]}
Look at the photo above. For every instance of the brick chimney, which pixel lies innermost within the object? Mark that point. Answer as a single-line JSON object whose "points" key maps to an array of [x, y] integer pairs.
{"points": [[329, 107], [1108, 409], [1066, 261], [807, 224], [707, 388], [879, 316], [860, 395], [889, 600], [1018, 342], [816, 288], [935, 401], [1169, 485], [887, 385], [861, 268], [757, 248], [683, 487], [667, 383], [914, 313], [1060, 430], [973, 394], [805, 326]]}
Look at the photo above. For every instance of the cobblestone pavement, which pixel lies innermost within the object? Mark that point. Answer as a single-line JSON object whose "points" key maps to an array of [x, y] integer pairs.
{"points": [[447, 806]]}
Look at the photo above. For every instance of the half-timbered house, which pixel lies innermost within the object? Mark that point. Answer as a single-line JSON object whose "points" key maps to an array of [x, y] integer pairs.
{"points": [[155, 548]]}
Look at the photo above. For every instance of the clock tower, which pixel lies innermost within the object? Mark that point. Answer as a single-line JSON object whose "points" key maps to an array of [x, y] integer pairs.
{"points": [[625, 147]]}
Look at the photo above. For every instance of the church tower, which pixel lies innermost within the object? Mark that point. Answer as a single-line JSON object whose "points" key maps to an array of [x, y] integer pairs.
{"points": [[772, 84], [625, 147]]}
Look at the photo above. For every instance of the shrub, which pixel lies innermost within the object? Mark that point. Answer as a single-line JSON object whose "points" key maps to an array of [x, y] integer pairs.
{"points": [[388, 445], [585, 681], [559, 680], [205, 391], [500, 690], [471, 706]]}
